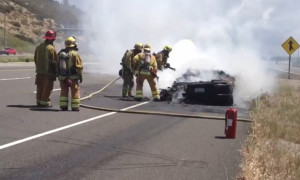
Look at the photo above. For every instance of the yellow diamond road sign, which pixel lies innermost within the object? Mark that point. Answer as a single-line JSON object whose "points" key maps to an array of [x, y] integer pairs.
{"points": [[290, 45]]}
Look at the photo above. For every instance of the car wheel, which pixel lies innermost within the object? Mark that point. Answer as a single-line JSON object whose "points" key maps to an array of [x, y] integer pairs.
{"points": [[223, 89], [223, 99]]}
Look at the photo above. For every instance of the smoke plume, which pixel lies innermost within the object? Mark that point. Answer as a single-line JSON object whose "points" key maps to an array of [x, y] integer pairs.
{"points": [[206, 35]]}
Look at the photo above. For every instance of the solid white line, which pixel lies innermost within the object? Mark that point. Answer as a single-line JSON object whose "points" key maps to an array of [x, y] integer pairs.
{"points": [[52, 90], [284, 71], [15, 78], [16, 70], [64, 127], [134, 106]]}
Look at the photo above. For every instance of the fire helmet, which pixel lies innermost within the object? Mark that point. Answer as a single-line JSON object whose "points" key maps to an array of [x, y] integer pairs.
{"points": [[50, 35], [168, 48], [147, 47], [138, 46], [70, 42]]}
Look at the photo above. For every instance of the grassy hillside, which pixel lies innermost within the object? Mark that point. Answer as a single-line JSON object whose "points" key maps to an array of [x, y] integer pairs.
{"points": [[26, 21], [20, 45]]}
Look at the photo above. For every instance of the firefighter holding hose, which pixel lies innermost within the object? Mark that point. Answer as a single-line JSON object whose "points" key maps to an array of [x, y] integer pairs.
{"points": [[70, 68], [145, 68]]}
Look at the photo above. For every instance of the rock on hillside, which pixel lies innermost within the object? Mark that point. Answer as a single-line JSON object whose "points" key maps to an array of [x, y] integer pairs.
{"points": [[22, 23]]}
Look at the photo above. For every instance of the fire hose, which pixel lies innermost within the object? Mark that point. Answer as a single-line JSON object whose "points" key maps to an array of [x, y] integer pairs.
{"points": [[149, 112]]}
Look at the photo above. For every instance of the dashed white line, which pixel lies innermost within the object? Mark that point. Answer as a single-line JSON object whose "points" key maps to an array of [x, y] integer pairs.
{"points": [[9, 79], [65, 127]]}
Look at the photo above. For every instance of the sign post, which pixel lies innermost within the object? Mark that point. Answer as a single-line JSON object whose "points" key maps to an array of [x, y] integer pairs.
{"points": [[290, 46]]}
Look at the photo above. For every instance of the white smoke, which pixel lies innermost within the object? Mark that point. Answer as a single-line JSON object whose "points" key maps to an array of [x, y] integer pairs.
{"points": [[207, 34]]}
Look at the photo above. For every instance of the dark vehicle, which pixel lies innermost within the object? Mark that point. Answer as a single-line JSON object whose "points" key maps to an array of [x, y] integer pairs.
{"points": [[215, 92], [8, 51]]}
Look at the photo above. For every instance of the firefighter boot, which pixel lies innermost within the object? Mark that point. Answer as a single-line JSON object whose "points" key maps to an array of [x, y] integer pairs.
{"points": [[130, 93]]}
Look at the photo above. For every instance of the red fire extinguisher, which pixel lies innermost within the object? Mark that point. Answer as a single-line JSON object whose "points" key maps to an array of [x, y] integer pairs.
{"points": [[231, 122]]}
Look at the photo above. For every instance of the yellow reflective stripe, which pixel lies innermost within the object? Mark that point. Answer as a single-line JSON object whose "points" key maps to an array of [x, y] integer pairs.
{"points": [[63, 104], [75, 106], [73, 77], [75, 100], [139, 94], [63, 98], [156, 94], [44, 103], [62, 78], [75, 103], [139, 91], [145, 73]]}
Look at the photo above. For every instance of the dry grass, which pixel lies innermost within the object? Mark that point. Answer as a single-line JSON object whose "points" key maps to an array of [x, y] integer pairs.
{"points": [[273, 150]]}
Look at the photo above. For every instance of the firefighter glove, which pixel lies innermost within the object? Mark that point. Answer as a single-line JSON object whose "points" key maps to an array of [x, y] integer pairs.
{"points": [[80, 78]]}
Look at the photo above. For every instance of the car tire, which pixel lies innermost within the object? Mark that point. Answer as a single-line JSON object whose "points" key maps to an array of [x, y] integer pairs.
{"points": [[223, 99], [223, 88]]}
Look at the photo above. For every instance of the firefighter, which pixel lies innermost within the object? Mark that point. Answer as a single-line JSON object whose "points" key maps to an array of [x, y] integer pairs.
{"points": [[145, 67], [45, 58], [162, 58], [127, 69], [70, 69]]}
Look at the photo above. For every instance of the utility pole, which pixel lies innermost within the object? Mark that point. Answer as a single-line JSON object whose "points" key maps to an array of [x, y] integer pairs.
{"points": [[4, 32]]}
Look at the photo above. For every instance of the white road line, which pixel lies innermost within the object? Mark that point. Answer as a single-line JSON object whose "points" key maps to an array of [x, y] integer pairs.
{"points": [[284, 71], [64, 127], [16, 70], [14, 79], [134, 106], [52, 90]]}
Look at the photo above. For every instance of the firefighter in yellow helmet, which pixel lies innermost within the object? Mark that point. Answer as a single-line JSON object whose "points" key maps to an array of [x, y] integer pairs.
{"points": [[145, 68], [127, 69], [70, 69], [162, 58], [45, 58]]}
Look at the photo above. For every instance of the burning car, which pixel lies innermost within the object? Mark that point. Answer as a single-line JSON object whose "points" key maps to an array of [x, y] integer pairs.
{"points": [[217, 91]]}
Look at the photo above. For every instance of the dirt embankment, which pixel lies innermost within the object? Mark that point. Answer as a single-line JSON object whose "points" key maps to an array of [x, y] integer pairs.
{"points": [[22, 23]]}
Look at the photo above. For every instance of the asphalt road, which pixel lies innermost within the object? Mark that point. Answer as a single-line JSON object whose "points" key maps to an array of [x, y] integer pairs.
{"points": [[281, 69], [40, 143]]}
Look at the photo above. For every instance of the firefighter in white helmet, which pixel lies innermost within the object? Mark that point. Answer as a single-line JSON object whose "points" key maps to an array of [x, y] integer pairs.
{"points": [[145, 68], [127, 70], [70, 68]]}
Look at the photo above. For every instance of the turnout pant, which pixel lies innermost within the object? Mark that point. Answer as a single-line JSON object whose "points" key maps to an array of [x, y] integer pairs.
{"points": [[128, 84], [64, 94], [139, 86], [44, 87]]}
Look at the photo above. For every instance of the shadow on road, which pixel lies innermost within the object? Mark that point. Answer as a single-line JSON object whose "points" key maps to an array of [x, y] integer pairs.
{"points": [[221, 137], [44, 109], [34, 108], [22, 106], [126, 98]]}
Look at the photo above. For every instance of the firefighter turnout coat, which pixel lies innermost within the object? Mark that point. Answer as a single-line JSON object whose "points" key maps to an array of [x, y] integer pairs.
{"points": [[45, 58], [70, 68], [161, 60], [127, 73], [145, 68]]}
